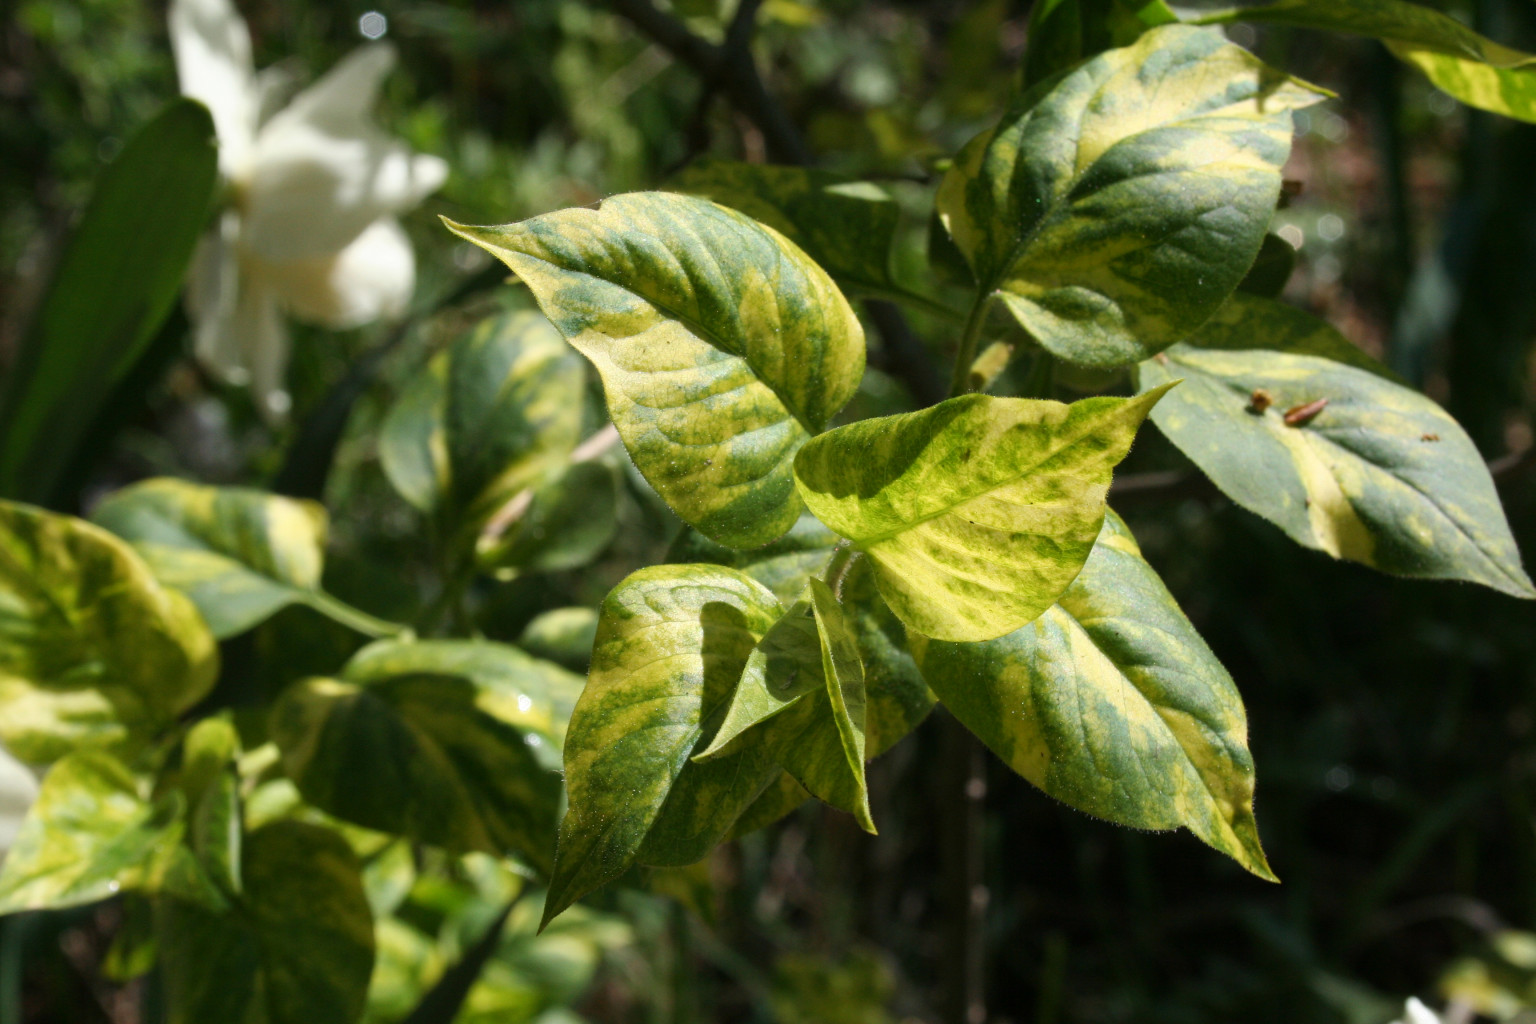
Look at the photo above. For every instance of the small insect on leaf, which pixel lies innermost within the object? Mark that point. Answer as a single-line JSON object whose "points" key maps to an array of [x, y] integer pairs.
{"points": [[1301, 415], [1259, 400], [1430, 437]]}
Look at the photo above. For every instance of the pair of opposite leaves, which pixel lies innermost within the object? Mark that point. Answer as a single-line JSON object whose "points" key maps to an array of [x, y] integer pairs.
{"points": [[1112, 216]]}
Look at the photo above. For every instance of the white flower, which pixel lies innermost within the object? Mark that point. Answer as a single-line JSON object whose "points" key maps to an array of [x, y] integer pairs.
{"points": [[18, 791], [1416, 1012], [315, 186]]}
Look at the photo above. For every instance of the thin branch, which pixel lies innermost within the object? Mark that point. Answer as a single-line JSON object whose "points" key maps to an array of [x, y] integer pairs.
{"points": [[728, 67]]}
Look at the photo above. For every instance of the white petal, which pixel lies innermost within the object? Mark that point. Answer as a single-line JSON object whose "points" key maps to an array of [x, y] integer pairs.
{"points": [[213, 65], [1418, 1013], [18, 791], [263, 341], [323, 171], [371, 278], [213, 286]]}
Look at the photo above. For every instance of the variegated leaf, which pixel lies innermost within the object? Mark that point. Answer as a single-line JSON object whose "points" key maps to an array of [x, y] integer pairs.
{"points": [[486, 419], [1112, 703], [239, 554], [1115, 214], [845, 226], [1063, 33], [570, 517], [721, 345], [94, 651], [802, 698], [90, 835], [442, 745], [977, 512], [298, 948], [1294, 423], [1475, 70], [672, 641]]}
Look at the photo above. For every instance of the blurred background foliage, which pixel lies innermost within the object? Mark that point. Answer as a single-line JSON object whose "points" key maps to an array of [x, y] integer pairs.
{"points": [[1393, 722]]}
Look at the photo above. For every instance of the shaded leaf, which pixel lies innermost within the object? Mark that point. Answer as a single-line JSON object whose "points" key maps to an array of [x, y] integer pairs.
{"points": [[93, 650], [672, 641], [439, 756], [977, 512], [721, 345], [1379, 475], [783, 566], [1271, 268], [897, 697], [114, 284], [845, 226], [488, 418], [239, 554], [1115, 214], [563, 636], [570, 517], [296, 949], [90, 835], [1475, 70], [1111, 702], [1064, 32]]}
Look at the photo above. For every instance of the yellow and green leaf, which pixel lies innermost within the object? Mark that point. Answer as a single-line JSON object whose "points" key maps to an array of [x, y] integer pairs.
{"points": [[1063, 33], [721, 345], [977, 512], [239, 554], [1114, 215], [298, 948], [1113, 704], [491, 416], [570, 517], [90, 835], [672, 642], [847, 227], [802, 698], [441, 745], [1377, 473], [1474, 69], [94, 651]]}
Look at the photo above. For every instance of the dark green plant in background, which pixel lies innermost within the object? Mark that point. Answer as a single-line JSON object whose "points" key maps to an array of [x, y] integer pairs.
{"points": [[579, 674]]}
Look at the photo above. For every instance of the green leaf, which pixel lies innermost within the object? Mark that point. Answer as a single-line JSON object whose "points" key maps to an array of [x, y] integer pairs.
{"points": [[897, 697], [1380, 475], [534, 695], [721, 345], [784, 668], [672, 642], [1115, 214], [211, 783], [801, 697], [978, 511], [1111, 702], [427, 749], [1271, 268], [845, 226], [821, 741], [93, 650], [1063, 33], [239, 554], [114, 284], [1475, 70], [90, 835], [783, 566], [563, 636], [296, 949], [488, 418], [569, 518]]}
